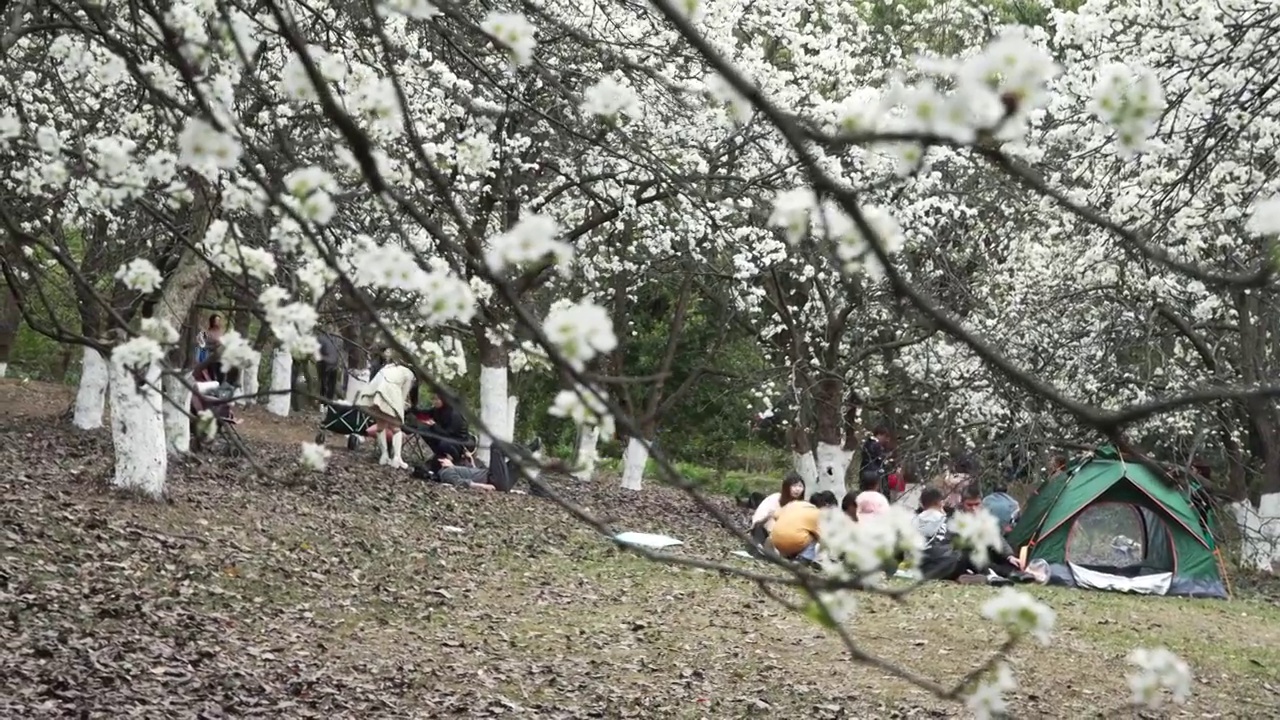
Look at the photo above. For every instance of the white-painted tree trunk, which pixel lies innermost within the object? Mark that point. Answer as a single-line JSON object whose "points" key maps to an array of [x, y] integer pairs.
{"points": [[4, 369], [137, 431], [1259, 532], [807, 468], [832, 463], [586, 454], [278, 403], [633, 462], [356, 380], [513, 404], [493, 407], [249, 381], [177, 424], [91, 396]]}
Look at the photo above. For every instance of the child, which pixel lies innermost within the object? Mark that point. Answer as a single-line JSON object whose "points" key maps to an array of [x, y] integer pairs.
{"points": [[931, 521]]}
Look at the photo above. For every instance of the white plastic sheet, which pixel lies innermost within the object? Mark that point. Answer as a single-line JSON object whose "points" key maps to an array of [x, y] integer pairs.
{"points": [[647, 540]]}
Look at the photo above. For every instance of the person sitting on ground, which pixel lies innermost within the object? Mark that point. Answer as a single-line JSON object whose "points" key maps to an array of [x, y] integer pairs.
{"points": [[931, 521], [762, 519], [954, 483], [1001, 560], [795, 533], [1002, 505], [849, 505], [871, 502], [385, 399], [447, 433]]}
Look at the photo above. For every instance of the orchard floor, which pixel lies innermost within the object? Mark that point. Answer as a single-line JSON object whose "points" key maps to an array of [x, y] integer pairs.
{"points": [[271, 592]]}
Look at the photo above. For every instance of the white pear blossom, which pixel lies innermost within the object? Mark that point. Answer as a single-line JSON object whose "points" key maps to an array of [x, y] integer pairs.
{"points": [[533, 238], [580, 331], [1130, 100], [315, 457], [609, 98], [140, 275], [237, 352], [1158, 670], [1021, 614], [582, 407], [202, 145], [514, 32], [978, 532], [987, 700], [1264, 216], [137, 353]]}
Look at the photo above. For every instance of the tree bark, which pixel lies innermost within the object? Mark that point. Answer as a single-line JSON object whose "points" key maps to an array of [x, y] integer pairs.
{"points": [[10, 322]]}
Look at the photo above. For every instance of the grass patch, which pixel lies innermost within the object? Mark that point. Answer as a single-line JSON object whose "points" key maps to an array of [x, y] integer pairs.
{"points": [[360, 598]]}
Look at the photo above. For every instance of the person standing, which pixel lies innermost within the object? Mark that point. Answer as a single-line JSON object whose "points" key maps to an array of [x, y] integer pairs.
{"points": [[327, 362], [208, 338]]}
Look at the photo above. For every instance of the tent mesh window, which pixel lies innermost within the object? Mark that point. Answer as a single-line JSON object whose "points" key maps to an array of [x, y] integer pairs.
{"points": [[1109, 534]]}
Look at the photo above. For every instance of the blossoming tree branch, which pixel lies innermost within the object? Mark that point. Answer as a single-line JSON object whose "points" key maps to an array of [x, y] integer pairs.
{"points": [[965, 199]]}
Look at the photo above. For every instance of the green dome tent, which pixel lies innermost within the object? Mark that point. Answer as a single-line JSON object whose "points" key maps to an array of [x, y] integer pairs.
{"points": [[1110, 524]]}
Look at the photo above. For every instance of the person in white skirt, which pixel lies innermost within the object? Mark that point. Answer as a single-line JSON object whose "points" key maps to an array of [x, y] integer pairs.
{"points": [[385, 399]]}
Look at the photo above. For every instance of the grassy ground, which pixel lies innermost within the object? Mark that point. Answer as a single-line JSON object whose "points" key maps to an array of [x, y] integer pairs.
{"points": [[361, 593]]}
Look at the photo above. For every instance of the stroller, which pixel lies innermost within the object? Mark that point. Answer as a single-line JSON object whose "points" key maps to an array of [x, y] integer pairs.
{"points": [[216, 398], [343, 419]]}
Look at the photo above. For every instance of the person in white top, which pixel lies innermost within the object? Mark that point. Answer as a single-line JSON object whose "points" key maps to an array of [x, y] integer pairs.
{"points": [[762, 518], [385, 399]]}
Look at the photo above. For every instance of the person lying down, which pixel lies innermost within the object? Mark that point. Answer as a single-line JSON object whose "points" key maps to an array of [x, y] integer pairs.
{"points": [[474, 476]]}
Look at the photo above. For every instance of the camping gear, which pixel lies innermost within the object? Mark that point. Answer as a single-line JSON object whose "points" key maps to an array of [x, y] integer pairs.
{"points": [[1113, 524], [343, 419], [222, 437]]}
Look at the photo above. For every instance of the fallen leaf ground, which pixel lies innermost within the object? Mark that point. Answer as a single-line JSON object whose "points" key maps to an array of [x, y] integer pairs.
{"points": [[272, 592]]}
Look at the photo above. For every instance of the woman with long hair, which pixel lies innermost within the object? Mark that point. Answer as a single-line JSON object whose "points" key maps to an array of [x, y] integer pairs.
{"points": [[762, 520]]}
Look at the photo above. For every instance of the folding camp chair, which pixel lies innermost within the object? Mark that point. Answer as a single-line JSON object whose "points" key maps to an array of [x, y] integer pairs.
{"points": [[343, 419], [417, 437], [225, 439]]}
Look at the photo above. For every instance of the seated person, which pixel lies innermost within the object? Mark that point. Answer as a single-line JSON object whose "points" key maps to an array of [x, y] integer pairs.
{"points": [[870, 501], [1002, 560], [795, 533], [931, 521], [446, 432], [850, 505], [1002, 505], [762, 519]]}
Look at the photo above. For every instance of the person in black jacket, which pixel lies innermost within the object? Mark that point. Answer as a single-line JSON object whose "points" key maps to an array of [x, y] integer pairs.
{"points": [[447, 433]]}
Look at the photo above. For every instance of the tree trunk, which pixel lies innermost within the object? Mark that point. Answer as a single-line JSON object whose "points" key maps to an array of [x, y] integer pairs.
{"points": [[494, 397], [251, 378], [177, 423], [138, 432], [802, 458], [64, 364], [91, 396], [1258, 517], [633, 463], [513, 404], [586, 455], [10, 322], [281, 388], [830, 456]]}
